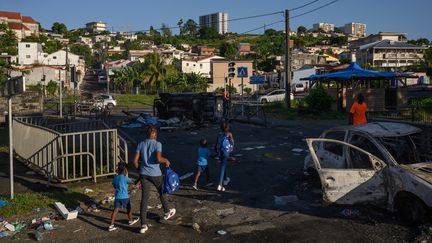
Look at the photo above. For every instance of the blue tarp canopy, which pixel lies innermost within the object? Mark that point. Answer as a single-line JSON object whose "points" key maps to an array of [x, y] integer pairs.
{"points": [[354, 71]]}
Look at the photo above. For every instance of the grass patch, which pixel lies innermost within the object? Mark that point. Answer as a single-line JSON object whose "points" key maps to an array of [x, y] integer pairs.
{"points": [[24, 203], [277, 109], [135, 101]]}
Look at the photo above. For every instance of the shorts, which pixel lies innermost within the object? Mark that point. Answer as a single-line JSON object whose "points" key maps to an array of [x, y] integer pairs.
{"points": [[202, 168], [122, 203]]}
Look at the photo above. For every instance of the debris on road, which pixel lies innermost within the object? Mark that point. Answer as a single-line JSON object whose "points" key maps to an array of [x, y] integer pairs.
{"points": [[247, 149], [284, 200], [61, 208], [260, 147], [225, 212], [187, 175], [38, 236], [297, 150], [87, 190], [221, 232], [350, 212], [196, 227]]}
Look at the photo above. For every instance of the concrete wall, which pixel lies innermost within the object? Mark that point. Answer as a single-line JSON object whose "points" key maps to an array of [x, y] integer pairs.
{"points": [[29, 103]]}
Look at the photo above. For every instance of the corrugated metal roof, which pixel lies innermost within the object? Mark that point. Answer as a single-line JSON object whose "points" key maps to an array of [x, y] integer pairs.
{"points": [[390, 44]]}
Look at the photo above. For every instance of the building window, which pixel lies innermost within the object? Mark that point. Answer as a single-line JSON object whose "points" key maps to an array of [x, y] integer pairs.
{"points": [[27, 45], [28, 56], [54, 57], [187, 64], [201, 66]]}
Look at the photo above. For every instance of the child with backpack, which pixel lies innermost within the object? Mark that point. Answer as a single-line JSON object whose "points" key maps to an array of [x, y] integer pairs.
{"points": [[203, 155], [224, 147], [147, 160], [120, 183]]}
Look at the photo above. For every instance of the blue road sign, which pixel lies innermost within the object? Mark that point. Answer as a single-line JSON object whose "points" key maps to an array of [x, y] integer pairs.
{"points": [[242, 72], [257, 79]]}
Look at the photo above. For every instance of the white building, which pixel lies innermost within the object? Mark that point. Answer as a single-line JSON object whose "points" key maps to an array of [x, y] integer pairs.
{"points": [[355, 29], [99, 38], [40, 74], [199, 66], [218, 21], [28, 53], [86, 41], [22, 26], [390, 55], [326, 27], [96, 26]]}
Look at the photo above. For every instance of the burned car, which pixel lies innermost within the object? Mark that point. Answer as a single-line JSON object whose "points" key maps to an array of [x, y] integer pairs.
{"points": [[384, 164]]}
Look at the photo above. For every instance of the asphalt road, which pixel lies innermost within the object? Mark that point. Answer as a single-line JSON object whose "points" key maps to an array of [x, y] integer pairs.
{"points": [[266, 168]]}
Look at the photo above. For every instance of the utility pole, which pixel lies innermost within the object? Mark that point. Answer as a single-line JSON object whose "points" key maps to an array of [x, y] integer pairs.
{"points": [[61, 95], [287, 63], [10, 147]]}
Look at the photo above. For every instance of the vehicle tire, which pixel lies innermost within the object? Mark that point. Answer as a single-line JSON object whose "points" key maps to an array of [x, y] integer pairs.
{"points": [[110, 106], [411, 210], [264, 101]]}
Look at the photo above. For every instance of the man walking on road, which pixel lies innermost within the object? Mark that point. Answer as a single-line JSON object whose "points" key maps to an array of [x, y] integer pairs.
{"points": [[147, 160]]}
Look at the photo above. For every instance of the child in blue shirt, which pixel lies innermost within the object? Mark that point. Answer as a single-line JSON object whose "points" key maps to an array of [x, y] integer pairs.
{"points": [[203, 155], [120, 183]]}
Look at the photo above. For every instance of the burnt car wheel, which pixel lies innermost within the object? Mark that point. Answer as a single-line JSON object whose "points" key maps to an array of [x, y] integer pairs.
{"points": [[411, 210]]}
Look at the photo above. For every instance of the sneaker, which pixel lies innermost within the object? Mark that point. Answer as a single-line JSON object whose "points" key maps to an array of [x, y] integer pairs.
{"points": [[221, 188], [143, 229], [195, 187], [133, 221], [112, 228], [225, 182], [170, 214]]}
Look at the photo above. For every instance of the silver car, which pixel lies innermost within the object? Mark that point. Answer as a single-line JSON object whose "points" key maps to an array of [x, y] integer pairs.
{"points": [[381, 163], [105, 101]]}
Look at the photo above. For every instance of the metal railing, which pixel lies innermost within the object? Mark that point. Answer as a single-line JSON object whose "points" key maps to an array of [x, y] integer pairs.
{"points": [[70, 151], [413, 114], [247, 111]]}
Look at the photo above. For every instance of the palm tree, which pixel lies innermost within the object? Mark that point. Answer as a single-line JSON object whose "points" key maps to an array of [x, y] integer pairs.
{"points": [[154, 70]]}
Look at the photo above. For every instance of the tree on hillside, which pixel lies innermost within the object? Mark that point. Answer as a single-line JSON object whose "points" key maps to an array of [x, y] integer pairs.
{"points": [[8, 40], [423, 42], [208, 33], [190, 28], [154, 70], [166, 31], [228, 50], [52, 46], [428, 57], [59, 28], [84, 51], [301, 29], [180, 26], [270, 32]]}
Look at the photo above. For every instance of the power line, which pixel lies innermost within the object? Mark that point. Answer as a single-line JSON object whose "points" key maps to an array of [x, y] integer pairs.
{"points": [[295, 16], [241, 18]]}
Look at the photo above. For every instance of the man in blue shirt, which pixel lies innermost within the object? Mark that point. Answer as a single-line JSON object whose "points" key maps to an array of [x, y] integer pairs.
{"points": [[147, 159]]}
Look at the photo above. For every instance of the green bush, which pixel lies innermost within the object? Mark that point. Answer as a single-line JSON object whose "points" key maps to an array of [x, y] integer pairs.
{"points": [[318, 99]]}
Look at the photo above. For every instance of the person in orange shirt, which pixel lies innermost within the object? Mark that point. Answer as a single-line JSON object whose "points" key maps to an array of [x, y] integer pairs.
{"points": [[358, 111]]}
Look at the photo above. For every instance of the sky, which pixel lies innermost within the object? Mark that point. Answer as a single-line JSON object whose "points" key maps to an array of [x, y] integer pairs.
{"points": [[410, 17]]}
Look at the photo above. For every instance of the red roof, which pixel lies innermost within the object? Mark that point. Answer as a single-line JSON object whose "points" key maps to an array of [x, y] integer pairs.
{"points": [[29, 20], [17, 26], [10, 15]]}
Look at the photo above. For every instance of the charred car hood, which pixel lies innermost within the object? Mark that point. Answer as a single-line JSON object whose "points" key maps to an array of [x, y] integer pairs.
{"points": [[422, 170]]}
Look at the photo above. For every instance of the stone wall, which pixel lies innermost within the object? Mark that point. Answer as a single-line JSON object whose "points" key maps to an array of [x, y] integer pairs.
{"points": [[29, 103]]}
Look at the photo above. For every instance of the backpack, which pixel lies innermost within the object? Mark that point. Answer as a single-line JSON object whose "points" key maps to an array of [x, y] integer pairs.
{"points": [[171, 182], [226, 145]]}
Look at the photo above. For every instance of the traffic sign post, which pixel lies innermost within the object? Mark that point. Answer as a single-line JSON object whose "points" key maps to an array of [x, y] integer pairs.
{"points": [[259, 79], [242, 72]]}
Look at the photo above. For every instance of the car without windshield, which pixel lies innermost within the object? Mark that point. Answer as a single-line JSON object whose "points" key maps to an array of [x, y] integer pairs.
{"points": [[383, 164]]}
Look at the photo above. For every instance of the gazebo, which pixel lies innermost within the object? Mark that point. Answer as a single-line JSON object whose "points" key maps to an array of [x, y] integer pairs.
{"points": [[382, 90]]}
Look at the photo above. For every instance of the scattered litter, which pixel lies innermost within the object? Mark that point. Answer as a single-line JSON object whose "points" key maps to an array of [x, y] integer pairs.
{"points": [[3, 203], [193, 133], [38, 236], [10, 227], [79, 210], [48, 225], [225, 212], [297, 150], [196, 227], [238, 155], [87, 190], [269, 155], [350, 212], [247, 148], [221, 232], [64, 212], [185, 176], [297, 154], [18, 226], [260, 147], [36, 209], [77, 230], [30, 173], [284, 200], [5, 234], [93, 205], [107, 200]]}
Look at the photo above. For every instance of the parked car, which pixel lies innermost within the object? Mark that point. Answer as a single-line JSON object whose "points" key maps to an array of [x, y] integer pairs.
{"points": [[105, 101], [298, 88], [275, 95], [376, 163]]}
